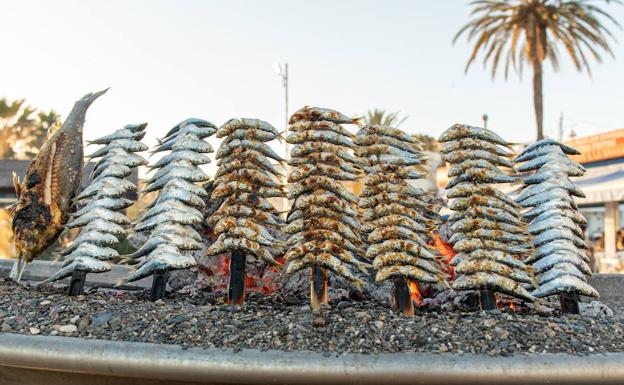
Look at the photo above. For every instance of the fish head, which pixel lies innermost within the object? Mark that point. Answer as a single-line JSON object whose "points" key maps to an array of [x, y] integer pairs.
{"points": [[76, 118], [136, 127]]}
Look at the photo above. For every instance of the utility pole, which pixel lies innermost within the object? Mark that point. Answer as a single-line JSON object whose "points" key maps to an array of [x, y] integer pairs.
{"points": [[282, 71], [560, 130]]}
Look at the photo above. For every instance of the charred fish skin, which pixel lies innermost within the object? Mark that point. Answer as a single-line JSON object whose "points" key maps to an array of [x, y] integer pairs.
{"points": [[489, 234], [395, 215], [323, 212], [553, 218], [52, 180], [245, 219], [101, 220], [314, 114], [170, 219]]}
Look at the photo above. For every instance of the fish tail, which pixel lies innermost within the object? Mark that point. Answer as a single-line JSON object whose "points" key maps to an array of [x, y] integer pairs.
{"points": [[11, 208], [280, 135], [125, 259], [359, 284], [442, 281], [17, 186], [64, 272], [18, 268]]}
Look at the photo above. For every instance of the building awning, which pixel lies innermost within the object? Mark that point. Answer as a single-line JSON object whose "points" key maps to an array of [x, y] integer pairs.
{"points": [[602, 184]]}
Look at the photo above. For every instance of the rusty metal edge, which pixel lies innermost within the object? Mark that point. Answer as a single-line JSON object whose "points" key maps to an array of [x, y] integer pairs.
{"points": [[171, 362]]}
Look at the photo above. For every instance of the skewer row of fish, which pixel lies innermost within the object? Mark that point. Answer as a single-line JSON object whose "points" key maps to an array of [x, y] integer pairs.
{"points": [[490, 238], [245, 181], [100, 205], [171, 219], [560, 261], [397, 217], [323, 225]]}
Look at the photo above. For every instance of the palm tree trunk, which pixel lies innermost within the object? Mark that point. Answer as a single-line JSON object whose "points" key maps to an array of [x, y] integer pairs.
{"points": [[537, 98]]}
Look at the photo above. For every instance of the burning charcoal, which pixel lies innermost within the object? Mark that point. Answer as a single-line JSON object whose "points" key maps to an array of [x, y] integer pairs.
{"points": [[323, 221], [560, 262], [397, 216], [170, 219], [488, 234], [100, 204], [245, 180]]}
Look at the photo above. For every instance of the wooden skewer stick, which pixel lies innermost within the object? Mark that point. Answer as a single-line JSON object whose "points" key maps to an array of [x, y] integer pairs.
{"points": [[402, 298], [238, 276], [487, 299], [76, 285], [318, 287], [159, 285], [569, 302]]}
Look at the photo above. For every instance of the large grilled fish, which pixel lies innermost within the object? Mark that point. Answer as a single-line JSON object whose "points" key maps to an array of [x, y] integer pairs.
{"points": [[52, 180]]}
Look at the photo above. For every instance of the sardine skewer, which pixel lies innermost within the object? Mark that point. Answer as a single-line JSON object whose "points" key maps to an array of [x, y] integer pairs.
{"points": [[323, 209], [396, 215], [548, 193], [100, 219], [487, 224]]}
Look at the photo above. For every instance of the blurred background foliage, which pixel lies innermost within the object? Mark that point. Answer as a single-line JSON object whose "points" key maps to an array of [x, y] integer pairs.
{"points": [[23, 128]]}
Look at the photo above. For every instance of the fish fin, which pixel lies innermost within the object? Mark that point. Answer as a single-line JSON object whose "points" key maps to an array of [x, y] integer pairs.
{"points": [[280, 136], [53, 130], [56, 163], [11, 208], [121, 282], [17, 185], [47, 187], [18, 269]]}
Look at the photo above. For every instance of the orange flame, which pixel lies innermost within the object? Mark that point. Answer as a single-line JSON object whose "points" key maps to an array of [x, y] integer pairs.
{"points": [[502, 304], [262, 281], [446, 250], [415, 292]]}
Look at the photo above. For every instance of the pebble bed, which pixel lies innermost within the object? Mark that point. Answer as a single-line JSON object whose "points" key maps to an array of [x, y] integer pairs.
{"points": [[201, 319]]}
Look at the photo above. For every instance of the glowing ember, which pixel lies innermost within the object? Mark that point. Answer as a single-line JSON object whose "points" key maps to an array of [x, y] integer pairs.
{"points": [[415, 292], [260, 278], [505, 303], [447, 251]]}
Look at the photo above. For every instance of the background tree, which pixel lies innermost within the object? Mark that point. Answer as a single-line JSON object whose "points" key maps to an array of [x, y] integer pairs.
{"points": [[384, 118], [532, 31], [23, 129], [427, 142]]}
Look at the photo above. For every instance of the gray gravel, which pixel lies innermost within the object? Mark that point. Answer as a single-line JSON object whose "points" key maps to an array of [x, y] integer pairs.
{"points": [[202, 319]]}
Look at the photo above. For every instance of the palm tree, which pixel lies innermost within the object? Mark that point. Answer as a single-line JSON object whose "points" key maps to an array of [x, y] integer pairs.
{"points": [[21, 133], [383, 118], [532, 31]]}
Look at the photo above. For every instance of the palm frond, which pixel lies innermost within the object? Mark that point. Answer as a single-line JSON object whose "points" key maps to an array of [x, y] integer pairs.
{"points": [[518, 31]]}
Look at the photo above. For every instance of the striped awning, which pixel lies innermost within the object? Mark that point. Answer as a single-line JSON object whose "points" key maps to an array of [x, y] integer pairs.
{"points": [[602, 184]]}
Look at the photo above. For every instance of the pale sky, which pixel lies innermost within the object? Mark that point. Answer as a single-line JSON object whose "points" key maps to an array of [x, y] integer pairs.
{"points": [[169, 60]]}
